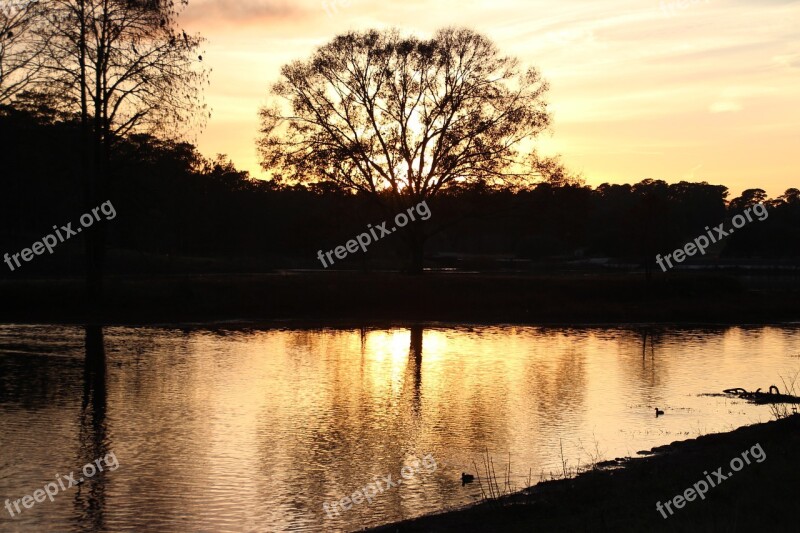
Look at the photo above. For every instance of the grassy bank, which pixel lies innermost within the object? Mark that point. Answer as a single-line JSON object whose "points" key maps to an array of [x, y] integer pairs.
{"points": [[760, 497], [485, 298]]}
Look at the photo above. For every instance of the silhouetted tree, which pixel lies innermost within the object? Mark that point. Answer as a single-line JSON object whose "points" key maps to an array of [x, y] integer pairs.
{"points": [[402, 118], [748, 198], [790, 197], [123, 66]]}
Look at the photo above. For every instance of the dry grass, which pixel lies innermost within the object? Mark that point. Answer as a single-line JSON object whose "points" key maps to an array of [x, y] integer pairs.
{"points": [[493, 489], [784, 410]]}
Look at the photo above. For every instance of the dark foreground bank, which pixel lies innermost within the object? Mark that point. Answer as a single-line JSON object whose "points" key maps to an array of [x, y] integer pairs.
{"points": [[567, 298], [762, 496]]}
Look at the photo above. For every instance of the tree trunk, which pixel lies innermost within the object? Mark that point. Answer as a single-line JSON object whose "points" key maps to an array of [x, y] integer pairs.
{"points": [[89, 159]]}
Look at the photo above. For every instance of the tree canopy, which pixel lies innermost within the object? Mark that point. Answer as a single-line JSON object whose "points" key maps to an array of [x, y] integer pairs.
{"points": [[377, 111]]}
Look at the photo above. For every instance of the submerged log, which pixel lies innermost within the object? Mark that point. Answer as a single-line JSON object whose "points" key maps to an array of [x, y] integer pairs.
{"points": [[773, 396]]}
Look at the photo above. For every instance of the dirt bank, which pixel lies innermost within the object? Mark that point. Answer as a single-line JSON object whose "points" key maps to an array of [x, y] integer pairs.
{"points": [[762, 496]]}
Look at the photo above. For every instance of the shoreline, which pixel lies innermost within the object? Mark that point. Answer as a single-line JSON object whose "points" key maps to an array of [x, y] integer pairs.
{"points": [[547, 300], [622, 496]]}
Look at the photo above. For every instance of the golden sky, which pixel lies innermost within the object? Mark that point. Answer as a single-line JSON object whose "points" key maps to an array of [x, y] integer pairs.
{"points": [[663, 89]]}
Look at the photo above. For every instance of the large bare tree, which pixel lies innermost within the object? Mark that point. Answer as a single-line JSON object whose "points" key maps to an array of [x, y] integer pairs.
{"points": [[404, 118], [124, 66]]}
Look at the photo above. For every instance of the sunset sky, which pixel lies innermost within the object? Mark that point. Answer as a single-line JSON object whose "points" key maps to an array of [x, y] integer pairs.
{"points": [[674, 90]]}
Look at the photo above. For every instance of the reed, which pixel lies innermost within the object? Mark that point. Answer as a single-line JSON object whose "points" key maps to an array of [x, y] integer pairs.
{"points": [[784, 409]]}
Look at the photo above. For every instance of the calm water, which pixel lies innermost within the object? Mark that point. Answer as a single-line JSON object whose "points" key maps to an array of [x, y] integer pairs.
{"points": [[253, 430]]}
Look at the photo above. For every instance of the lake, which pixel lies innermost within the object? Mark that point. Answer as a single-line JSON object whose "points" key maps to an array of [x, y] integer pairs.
{"points": [[250, 429]]}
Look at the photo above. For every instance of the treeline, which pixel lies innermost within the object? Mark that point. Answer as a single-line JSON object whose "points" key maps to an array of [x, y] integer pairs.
{"points": [[172, 204]]}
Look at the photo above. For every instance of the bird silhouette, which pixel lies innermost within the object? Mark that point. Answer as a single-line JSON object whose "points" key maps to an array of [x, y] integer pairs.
{"points": [[659, 412], [466, 478]]}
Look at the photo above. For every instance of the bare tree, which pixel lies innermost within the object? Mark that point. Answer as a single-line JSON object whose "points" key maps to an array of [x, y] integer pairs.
{"points": [[136, 70], [19, 47], [403, 118], [125, 67]]}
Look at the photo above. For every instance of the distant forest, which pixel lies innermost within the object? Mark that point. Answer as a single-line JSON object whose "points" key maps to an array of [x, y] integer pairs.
{"points": [[179, 211]]}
